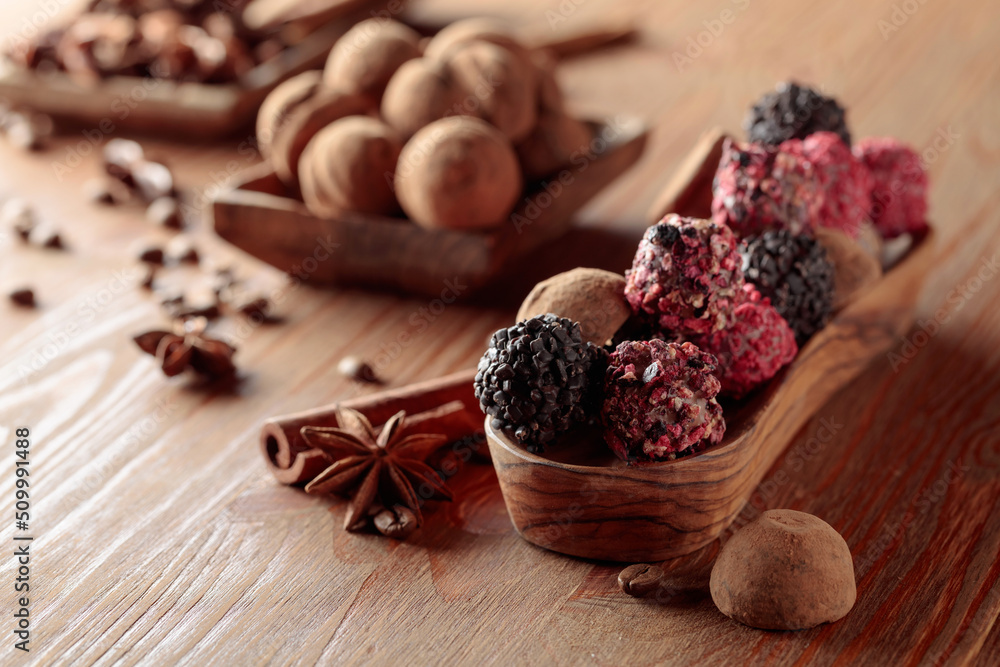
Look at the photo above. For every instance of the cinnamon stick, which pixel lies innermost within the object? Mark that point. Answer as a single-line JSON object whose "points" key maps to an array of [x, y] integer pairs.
{"points": [[444, 405]]}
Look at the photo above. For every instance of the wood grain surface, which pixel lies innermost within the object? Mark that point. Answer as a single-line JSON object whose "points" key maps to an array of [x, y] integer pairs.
{"points": [[161, 538]]}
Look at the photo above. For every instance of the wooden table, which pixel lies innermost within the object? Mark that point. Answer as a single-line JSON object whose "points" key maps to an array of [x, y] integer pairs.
{"points": [[160, 538]]}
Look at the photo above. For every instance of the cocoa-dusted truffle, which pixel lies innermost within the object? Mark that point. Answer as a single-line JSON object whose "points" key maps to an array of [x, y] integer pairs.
{"points": [[280, 103], [750, 352], [458, 173], [845, 181], [534, 378], [420, 92], [659, 401], [557, 139], [592, 297], [498, 87], [366, 56], [899, 186], [345, 168], [795, 273], [794, 112], [798, 185], [686, 276], [786, 570]]}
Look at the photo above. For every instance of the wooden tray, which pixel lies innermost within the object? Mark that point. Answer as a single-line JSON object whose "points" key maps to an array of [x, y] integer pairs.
{"points": [[259, 216], [180, 110], [578, 499]]}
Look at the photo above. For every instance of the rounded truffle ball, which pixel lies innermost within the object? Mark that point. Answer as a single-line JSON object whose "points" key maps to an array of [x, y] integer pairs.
{"points": [[686, 277], [552, 145], [348, 166], [475, 29], [659, 401], [280, 103], [845, 181], [899, 186], [419, 93], [592, 297], [500, 87], [305, 121], [786, 570], [367, 56], [753, 349], [794, 112], [534, 378], [795, 273], [458, 173]]}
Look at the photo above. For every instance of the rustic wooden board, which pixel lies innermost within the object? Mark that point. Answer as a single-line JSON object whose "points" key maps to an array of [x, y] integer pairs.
{"points": [[162, 538]]}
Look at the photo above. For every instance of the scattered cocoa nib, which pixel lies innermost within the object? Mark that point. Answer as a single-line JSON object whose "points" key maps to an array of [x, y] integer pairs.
{"points": [[153, 180], [120, 156], [188, 348], [28, 130], [183, 251], [24, 296], [152, 255], [640, 580], [149, 279], [107, 191], [356, 368], [258, 308], [165, 212], [194, 304], [19, 215], [397, 523], [52, 239]]}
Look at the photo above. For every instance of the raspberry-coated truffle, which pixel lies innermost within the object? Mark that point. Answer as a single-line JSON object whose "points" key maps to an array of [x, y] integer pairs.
{"points": [[795, 273], [659, 401], [759, 187], [845, 180], [534, 378], [798, 185], [686, 275], [899, 186], [794, 112], [751, 351]]}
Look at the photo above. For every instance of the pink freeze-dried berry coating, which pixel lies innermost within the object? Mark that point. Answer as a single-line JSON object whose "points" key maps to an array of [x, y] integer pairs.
{"points": [[754, 349], [799, 185], [899, 186], [659, 401], [758, 188], [686, 276], [845, 180]]}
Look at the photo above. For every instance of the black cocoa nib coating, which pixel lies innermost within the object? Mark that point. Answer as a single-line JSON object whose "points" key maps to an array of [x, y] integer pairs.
{"points": [[794, 112], [535, 378], [796, 274]]}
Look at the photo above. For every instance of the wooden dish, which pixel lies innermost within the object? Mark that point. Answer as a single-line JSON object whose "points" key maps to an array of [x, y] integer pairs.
{"points": [[579, 499], [262, 218], [178, 109]]}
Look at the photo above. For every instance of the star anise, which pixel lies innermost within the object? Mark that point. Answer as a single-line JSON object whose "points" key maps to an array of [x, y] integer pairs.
{"points": [[384, 467], [188, 348]]}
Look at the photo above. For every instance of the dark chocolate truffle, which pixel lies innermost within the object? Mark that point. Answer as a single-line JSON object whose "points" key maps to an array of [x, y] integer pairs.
{"points": [[794, 112]]}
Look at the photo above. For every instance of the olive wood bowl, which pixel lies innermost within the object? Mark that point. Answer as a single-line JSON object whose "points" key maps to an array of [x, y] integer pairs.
{"points": [[577, 498]]}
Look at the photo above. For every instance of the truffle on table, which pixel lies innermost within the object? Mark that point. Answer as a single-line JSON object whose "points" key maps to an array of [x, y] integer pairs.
{"points": [[686, 276], [786, 570], [845, 180], [899, 186], [754, 349], [659, 401], [366, 56]]}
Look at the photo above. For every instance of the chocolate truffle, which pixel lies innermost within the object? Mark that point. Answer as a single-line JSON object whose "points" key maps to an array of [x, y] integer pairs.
{"points": [[348, 166], [786, 570], [899, 186], [592, 297], [751, 351], [366, 57], [534, 378], [795, 273], [659, 401], [845, 181], [686, 276], [419, 93], [557, 139], [794, 112], [458, 173]]}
